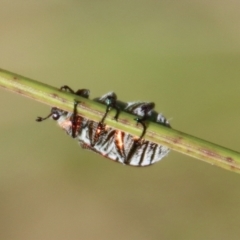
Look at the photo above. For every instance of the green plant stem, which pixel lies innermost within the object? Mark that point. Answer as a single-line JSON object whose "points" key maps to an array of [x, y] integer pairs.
{"points": [[175, 140]]}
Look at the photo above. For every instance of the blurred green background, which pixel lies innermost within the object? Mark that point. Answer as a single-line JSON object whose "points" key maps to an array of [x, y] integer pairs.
{"points": [[183, 55]]}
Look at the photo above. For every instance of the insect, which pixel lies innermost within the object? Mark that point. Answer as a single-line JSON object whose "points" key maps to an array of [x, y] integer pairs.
{"points": [[111, 143]]}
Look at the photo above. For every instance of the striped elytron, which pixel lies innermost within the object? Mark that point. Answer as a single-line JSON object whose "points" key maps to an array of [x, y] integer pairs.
{"points": [[111, 143]]}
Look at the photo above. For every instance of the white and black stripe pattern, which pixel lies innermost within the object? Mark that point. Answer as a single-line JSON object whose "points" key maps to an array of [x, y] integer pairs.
{"points": [[127, 149], [111, 143]]}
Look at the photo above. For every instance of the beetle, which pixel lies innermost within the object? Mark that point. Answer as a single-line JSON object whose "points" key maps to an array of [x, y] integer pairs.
{"points": [[111, 143]]}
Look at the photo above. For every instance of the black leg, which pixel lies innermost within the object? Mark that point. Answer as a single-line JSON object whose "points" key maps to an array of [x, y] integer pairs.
{"points": [[74, 119], [111, 103], [66, 88], [56, 113], [146, 109], [141, 121], [80, 92], [117, 112], [40, 119]]}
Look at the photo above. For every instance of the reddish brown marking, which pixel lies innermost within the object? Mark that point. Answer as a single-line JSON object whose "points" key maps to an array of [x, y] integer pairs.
{"points": [[209, 153], [123, 121], [54, 95], [19, 91], [235, 167], [177, 140], [15, 78], [213, 154], [229, 159]]}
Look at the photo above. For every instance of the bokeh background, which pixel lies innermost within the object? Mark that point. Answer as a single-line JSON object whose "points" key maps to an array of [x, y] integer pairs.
{"points": [[183, 55]]}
